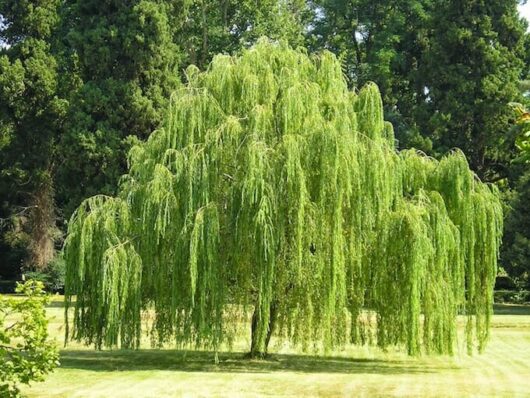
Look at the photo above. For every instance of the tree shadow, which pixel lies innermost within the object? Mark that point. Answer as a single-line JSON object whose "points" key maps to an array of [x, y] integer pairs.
{"points": [[203, 361], [55, 304], [511, 309]]}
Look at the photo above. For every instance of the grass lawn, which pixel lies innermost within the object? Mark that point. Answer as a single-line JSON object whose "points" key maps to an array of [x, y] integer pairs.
{"points": [[502, 371]]}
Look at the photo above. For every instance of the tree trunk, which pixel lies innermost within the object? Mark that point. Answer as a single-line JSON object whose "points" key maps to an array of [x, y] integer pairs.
{"points": [[254, 350], [42, 228]]}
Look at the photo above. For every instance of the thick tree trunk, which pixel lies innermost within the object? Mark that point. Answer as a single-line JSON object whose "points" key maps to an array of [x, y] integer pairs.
{"points": [[254, 349], [42, 228]]}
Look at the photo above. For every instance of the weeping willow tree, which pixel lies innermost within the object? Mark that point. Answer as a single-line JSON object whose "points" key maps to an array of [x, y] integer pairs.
{"points": [[274, 188]]}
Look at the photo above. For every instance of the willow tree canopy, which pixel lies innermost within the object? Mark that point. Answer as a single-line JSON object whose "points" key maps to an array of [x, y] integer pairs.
{"points": [[272, 185]]}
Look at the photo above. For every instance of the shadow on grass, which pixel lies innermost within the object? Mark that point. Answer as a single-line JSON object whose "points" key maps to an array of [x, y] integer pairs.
{"points": [[511, 309], [203, 361], [55, 304]]}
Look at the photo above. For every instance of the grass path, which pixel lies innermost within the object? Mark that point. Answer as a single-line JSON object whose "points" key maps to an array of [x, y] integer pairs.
{"points": [[502, 371]]}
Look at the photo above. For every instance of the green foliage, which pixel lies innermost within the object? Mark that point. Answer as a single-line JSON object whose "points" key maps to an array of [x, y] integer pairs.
{"points": [[472, 71], [126, 58], [381, 41], [523, 131], [224, 26], [516, 243], [446, 69], [271, 185], [31, 114], [52, 276], [123, 63], [81, 80], [26, 354], [512, 296]]}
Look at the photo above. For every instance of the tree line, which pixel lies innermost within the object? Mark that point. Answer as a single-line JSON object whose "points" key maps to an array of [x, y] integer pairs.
{"points": [[81, 82]]}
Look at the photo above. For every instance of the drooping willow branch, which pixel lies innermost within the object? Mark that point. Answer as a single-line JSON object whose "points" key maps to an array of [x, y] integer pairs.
{"points": [[271, 185]]}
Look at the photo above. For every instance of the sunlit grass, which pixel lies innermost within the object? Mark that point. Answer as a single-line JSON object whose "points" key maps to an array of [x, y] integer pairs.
{"points": [[503, 371]]}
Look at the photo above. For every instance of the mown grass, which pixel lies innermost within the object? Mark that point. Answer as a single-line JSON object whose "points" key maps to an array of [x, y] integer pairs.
{"points": [[502, 371]]}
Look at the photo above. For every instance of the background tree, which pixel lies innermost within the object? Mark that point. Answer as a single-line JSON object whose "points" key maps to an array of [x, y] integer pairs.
{"points": [[384, 42], [117, 64], [447, 69], [226, 26], [471, 72], [522, 132], [272, 186], [125, 61], [129, 58], [31, 116], [516, 243]]}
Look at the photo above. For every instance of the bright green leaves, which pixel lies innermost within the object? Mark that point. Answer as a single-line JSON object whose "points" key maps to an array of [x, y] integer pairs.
{"points": [[523, 130], [369, 107], [272, 185], [107, 275], [403, 255], [26, 353]]}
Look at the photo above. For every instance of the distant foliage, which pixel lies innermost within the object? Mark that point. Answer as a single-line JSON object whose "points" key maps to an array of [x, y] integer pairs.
{"points": [[516, 242], [523, 131], [471, 70], [225, 26], [383, 42], [31, 116], [52, 276], [271, 185], [446, 69], [26, 354], [123, 61]]}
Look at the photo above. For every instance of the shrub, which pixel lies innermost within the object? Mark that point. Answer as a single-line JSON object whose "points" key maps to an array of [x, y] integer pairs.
{"points": [[52, 276], [26, 354]]}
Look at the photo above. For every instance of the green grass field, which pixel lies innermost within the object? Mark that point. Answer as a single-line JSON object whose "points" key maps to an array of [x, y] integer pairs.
{"points": [[502, 371]]}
